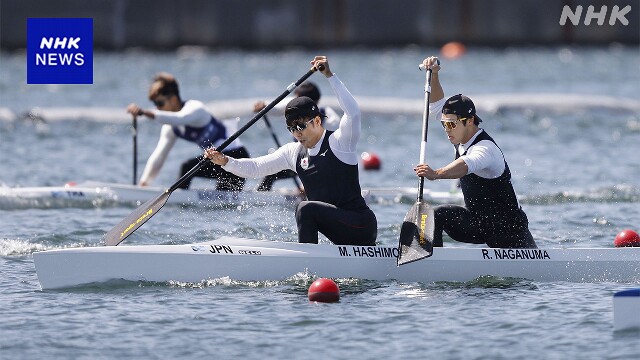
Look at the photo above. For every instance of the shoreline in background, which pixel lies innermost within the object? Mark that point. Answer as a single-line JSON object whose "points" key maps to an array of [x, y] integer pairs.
{"points": [[262, 25]]}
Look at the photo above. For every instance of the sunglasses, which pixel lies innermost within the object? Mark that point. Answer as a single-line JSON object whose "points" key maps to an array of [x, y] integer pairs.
{"points": [[158, 103], [299, 127], [450, 125]]}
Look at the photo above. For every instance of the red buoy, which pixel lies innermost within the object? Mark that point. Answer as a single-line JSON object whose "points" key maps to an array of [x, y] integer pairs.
{"points": [[370, 161], [324, 290], [627, 238]]}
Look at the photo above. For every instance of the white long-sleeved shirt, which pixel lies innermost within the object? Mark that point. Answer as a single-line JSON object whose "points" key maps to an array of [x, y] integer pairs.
{"points": [[342, 142], [484, 158], [193, 113]]}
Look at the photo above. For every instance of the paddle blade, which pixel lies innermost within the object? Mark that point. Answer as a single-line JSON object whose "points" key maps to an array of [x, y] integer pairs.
{"points": [[416, 234], [136, 219]]}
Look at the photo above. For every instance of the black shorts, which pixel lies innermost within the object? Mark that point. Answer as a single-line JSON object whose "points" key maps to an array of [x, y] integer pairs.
{"points": [[342, 227], [457, 222]]}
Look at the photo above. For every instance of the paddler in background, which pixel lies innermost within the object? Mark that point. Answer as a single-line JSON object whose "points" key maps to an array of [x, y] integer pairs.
{"points": [[326, 162], [330, 121], [491, 214], [190, 121]]}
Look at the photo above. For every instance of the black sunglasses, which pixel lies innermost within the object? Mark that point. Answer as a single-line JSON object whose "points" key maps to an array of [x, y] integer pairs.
{"points": [[299, 127], [158, 103]]}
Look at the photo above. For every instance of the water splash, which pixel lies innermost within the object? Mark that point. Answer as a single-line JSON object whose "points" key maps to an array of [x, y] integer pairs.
{"points": [[12, 247]]}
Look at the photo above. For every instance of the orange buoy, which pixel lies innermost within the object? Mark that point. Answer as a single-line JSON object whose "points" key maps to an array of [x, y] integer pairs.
{"points": [[453, 50], [324, 290]]}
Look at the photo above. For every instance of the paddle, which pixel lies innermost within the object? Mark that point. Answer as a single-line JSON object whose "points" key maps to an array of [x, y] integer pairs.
{"points": [[135, 149], [145, 211], [416, 233], [275, 139]]}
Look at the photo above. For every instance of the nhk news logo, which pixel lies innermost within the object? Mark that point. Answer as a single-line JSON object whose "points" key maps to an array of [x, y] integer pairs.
{"points": [[59, 51]]}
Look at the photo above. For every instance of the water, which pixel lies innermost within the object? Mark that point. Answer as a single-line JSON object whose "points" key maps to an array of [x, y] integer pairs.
{"points": [[579, 172]]}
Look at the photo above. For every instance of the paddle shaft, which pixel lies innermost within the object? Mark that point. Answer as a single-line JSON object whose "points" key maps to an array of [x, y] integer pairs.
{"points": [[425, 130], [232, 138], [416, 232], [275, 139], [135, 149]]}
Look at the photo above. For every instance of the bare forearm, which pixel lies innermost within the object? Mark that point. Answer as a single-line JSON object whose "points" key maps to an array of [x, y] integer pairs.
{"points": [[454, 170], [437, 92]]}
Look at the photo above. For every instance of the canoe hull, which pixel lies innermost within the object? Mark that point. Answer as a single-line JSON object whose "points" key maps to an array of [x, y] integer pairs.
{"points": [[258, 260]]}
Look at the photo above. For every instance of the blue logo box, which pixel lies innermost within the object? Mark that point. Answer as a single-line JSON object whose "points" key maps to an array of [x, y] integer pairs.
{"points": [[59, 51]]}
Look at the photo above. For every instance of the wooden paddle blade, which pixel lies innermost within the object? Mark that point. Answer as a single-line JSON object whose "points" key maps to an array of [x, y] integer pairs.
{"points": [[416, 234], [136, 219]]}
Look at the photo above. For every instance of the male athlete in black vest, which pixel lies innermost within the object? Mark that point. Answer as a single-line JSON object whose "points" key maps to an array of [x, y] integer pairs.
{"points": [[326, 162], [491, 214]]}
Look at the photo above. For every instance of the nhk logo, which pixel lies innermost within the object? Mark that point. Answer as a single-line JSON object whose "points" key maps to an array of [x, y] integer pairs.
{"points": [[59, 51], [616, 15]]}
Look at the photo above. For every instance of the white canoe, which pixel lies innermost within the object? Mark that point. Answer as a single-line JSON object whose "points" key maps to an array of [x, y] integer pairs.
{"points": [[626, 309], [260, 260], [99, 194]]}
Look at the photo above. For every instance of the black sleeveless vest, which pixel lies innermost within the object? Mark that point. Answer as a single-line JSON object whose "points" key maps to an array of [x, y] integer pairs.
{"points": [[492, 202], [327, 179]]}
